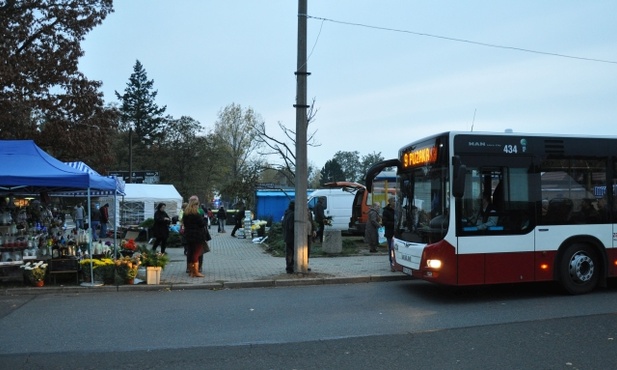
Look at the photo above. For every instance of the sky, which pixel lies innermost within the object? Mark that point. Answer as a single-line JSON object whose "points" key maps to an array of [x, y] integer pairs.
{"points": [[383, 73]]}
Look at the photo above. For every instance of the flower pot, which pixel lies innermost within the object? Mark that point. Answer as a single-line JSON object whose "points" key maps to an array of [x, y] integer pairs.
{"points": [[129, 281], [39, 283], [153, 275]]}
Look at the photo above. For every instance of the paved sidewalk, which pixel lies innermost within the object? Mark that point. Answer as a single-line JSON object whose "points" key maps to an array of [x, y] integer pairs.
{"points": [[240, 263], [234, 260]]}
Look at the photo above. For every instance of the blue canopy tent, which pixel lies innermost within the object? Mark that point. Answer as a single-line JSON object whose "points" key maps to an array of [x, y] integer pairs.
{"points": [[119, 190], [23, 166], [26, 168]]}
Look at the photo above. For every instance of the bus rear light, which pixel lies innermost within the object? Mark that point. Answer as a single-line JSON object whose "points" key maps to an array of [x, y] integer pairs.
{"points": [[615, 262], [433, 264], [544, 266]]}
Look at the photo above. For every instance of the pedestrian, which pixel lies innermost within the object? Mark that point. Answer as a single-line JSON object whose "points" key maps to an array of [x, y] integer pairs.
{"points": [[388, 223], [160, 230], [311, 234], [320, 218], [210, 217], [288, 236], [371, 235], [78, 215], [104, 218], [221, 216], [194, 232], [204, 213], [95, 221], [239, 218]]}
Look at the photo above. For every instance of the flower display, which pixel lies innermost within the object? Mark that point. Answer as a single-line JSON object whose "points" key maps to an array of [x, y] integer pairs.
{"points": [[126, 267], [129, 244], [34, 271], [152, 258], [104, 268], [258, 224]]}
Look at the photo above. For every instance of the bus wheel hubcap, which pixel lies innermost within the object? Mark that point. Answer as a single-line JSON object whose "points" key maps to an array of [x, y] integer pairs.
{"points": [[581, 267]]}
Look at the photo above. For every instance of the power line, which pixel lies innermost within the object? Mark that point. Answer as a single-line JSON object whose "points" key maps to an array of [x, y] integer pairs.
{"points": [[459, 40]]}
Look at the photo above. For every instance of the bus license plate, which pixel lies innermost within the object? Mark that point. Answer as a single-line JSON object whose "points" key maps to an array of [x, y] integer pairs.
{"points": [[406, 270]]}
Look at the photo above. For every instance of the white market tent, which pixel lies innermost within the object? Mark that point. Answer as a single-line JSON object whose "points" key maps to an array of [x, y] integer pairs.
{"points": [[140, 201]]}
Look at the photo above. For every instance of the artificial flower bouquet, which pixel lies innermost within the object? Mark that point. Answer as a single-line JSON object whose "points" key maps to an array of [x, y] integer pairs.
{"points": [[34, 271]]}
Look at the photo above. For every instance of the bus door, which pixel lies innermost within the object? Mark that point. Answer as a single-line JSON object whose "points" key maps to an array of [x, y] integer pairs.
{"points": [[498, 248]]}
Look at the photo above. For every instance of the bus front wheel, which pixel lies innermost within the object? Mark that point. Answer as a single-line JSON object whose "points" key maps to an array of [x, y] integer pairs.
{"points": [[579, 269]]}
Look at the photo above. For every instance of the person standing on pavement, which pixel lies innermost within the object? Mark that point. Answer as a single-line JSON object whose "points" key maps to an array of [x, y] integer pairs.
{"points": [[95, 220], [288, 236], [104, 218], [371, 235], [388, 223], [194, 231], [161, 227], [204, 213], [221, 216], [239, 218], [78, 215], [320, 218], [312, 233]]}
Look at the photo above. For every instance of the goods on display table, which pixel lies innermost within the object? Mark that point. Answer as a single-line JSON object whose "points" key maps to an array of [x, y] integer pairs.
{"points": [[32, 232]]}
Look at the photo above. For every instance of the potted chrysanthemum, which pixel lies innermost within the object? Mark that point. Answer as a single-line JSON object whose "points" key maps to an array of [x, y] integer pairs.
{"points": [[126, 268]]}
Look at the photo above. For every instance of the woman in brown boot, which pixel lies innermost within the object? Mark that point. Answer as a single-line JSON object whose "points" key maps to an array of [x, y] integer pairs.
{"points": [[194, 234]]}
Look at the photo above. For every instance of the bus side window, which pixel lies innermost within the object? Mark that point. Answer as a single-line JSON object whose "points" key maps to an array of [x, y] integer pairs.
{"points": [[559, 211]]}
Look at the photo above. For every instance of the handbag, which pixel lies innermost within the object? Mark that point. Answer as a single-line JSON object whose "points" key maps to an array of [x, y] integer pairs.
{"points": [[381, 235], [206, 247]]}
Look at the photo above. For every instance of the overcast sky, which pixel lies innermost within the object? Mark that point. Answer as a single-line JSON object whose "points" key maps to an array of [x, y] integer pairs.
{"points": [[383, 73]]}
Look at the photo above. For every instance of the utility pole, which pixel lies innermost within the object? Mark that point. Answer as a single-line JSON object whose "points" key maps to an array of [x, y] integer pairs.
{"points": [[131, 155], [301, 215]]}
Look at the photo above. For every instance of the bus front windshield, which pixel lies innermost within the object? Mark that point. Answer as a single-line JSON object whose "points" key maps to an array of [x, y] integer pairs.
{"points": [[423, 208]]}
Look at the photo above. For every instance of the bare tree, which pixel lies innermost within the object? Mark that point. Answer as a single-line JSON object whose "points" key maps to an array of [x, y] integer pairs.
{"points": [[285, 149], [236, 131]]}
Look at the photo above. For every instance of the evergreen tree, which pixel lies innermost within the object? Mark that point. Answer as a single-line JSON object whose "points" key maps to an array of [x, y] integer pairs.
{"points": [[139, 110], [331, 171]]}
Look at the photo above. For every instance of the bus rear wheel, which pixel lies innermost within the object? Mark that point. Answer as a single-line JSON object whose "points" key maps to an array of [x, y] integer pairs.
{"points": [[579, 269]]}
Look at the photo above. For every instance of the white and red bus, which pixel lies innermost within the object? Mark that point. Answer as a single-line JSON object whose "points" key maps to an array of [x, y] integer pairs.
{"points": [[553, 211]]}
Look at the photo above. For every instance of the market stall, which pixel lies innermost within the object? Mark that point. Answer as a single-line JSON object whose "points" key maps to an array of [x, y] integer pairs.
{"points": [[31, 231]]}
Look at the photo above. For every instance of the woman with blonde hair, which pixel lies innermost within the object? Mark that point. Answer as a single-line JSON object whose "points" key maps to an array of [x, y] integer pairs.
{"points": [[194, 234]]}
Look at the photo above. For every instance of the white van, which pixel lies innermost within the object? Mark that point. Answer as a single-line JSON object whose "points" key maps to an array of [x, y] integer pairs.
{"points": [[338, 203]]}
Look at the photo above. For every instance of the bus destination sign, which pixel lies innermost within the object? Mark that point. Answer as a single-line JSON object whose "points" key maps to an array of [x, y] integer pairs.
{"points": [[419, 156]]}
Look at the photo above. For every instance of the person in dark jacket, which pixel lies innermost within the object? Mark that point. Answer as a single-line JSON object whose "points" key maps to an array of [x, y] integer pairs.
{"points": [[160, 230], [320, 218], [239, 219], [194, 230], [221, 215], [288, 236], [104, 218], [387, 217]]}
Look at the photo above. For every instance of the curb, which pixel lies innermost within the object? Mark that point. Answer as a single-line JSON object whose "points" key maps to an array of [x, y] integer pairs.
{"points": [[207, 286]]}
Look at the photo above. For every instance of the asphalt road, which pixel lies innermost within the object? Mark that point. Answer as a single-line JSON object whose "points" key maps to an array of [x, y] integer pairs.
{"points": [[408, 324]]}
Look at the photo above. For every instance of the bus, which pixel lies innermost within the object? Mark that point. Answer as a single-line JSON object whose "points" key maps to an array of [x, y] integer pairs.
{"points": [[553, 210]]}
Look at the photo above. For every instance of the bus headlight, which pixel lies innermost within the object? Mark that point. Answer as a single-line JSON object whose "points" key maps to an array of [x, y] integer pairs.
{"points": [[433, 264]]}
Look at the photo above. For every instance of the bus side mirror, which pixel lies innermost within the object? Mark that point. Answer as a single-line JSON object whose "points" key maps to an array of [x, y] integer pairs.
{"points": [[458, 186]]}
